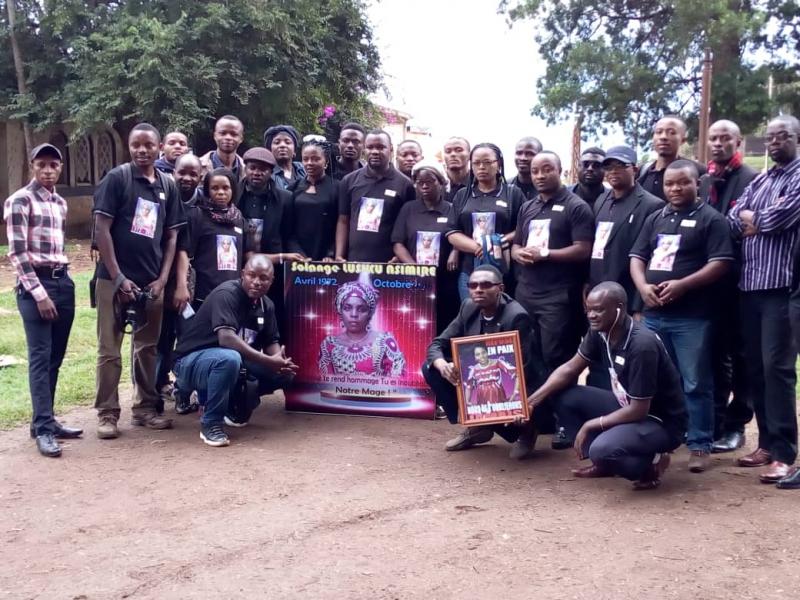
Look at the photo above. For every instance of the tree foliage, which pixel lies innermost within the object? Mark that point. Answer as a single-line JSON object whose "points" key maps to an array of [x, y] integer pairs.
{"points": [[630, 61], [180, 63]]}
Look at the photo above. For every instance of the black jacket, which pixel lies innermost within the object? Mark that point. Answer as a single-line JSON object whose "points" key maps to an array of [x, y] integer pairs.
{"points": [[728, 190], [615, 265], [510, 316]]}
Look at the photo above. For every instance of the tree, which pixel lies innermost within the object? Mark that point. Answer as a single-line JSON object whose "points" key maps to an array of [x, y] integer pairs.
{"points": [[181, 63], [628, 62]]}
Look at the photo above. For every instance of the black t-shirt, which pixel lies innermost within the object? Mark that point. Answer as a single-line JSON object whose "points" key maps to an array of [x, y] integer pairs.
{"points": [[422, 232], [139, 221], [644, 370], [557, 223], [263, 216], [652, 180], [372, 202], [216, 251], [229, 307], [677, 244], [311, 218], [481, 213], [588, 195], [454, 189], [527, 189]]}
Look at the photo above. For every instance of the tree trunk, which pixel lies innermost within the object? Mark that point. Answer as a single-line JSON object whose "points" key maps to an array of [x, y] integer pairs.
{"points": [[22, 86]]}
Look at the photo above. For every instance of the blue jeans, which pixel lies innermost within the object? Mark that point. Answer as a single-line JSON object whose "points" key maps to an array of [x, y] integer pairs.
{"points": [[463, 280], [213, 372], [688, 342]]}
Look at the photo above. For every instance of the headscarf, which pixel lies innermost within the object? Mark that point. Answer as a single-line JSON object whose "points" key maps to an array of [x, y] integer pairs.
{"points": [[225, 216], [270, 134], [365, 292]]}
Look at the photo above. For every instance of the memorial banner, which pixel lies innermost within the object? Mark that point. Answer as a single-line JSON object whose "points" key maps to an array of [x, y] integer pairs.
{"points": [[491, 378], [359, 333]]}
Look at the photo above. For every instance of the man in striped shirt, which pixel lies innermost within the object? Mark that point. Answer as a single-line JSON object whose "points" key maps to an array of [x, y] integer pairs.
{"points": [[35, 219], [767, 217]]}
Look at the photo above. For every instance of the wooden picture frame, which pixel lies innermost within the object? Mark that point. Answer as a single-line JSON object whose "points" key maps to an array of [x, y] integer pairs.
{"points": [[491, 387]]}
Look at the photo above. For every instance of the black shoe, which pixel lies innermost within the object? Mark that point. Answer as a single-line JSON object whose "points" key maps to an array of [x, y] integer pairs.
{"points": [[184, 404], [791, 481], [47, 445], [214, 435], [67, 433], [730, 441], [560, 441]]}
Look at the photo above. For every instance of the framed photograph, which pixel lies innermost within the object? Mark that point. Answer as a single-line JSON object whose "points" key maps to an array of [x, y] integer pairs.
{"points": [[491, 378]]}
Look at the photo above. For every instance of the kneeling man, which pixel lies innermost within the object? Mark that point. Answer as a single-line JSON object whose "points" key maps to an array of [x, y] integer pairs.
{"points": [[628, 431], [219, 340]]}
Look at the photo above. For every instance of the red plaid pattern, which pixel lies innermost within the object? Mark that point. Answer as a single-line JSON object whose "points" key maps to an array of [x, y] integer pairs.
{"points": [[35, 224]]}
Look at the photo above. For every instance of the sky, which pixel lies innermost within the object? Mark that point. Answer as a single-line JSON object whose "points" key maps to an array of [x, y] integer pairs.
{"points": [[458, 69]]}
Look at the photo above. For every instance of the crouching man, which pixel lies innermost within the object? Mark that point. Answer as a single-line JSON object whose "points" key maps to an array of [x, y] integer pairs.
{"points": [[628, 431], [223, 338]]}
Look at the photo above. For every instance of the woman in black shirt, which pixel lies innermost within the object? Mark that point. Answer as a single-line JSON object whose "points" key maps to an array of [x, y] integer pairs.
{"points": [[311, 212], [215, 234], [485, 215]]}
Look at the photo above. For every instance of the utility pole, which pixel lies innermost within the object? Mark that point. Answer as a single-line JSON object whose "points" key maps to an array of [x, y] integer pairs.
{"points": [[22, 86], [705, 109]]}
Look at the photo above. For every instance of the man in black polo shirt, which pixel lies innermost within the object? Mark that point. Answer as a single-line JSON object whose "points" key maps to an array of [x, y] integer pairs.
{"points": [[590, 176], [629, 430], [369, 200], [668, 135], [619, 215], [525, 150], [487, 310], [351, 145], [409, 153], [219, 340], [721, 187], [681, 252], [137, 212], [552, 244], [456, 162]]}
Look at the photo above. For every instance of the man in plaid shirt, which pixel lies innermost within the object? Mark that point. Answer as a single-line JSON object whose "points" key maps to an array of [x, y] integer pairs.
{"points": [[36, 219]]}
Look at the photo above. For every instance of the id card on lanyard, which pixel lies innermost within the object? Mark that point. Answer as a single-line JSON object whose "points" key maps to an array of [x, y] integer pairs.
{"points": [[617, 388]]}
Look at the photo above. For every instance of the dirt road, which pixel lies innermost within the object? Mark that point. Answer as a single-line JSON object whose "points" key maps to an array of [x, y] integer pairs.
{"points": [[306, 506]]}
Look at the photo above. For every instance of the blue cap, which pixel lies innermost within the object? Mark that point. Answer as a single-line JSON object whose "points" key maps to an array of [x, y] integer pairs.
{"points": [[623, 154]]}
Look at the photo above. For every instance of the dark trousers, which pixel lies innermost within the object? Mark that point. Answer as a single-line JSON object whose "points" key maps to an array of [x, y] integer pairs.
{"points": [[626, 450], [242, 404], [770, 358], [731, 413], [448, 301], [166, 346], [47, 344], [556, 318], [445, 394]]}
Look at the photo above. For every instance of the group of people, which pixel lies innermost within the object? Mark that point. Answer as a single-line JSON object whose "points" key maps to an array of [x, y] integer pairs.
{"points": [[684, 274]]}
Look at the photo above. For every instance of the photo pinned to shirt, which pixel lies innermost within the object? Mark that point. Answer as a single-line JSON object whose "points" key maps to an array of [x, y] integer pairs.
{"points": [[483, 225], [538, 234], [248, 335], [227, 254], [255, 228], [601, 235], [369, 214], [145, 218], [667, 246], [428, 244]]}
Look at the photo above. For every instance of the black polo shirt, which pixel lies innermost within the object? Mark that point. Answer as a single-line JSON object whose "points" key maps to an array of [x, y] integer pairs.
{"points": [[652, 180], [527, 189], [311, 218], [556, 223], [373, 202], [263, 216], [454, 189], [645, 370], [216, 251], [499, 208], [422, 231], [139, 221], [676, 244], [587, 194], [229, 307]]}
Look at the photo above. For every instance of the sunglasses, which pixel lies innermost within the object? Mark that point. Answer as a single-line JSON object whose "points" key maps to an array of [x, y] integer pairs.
{"points": [[484, 285]]}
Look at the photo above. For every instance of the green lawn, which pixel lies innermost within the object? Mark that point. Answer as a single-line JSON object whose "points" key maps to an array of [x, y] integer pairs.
{"points": [[76, 381]]}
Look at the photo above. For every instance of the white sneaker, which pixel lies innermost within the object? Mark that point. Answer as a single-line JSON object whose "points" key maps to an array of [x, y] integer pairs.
{"points": [[231, 423]]}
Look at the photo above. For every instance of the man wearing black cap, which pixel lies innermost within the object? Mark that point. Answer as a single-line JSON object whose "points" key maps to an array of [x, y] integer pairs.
{"points": [[228, 135], [619, 215], [590, 176], [281, 140], [35, 223]]}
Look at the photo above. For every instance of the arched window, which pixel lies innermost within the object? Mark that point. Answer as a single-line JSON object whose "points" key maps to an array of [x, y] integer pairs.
{"points": [[105, 155], [83, 161], [60, 140]]}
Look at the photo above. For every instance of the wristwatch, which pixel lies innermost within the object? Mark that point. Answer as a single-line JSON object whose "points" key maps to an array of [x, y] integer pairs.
{"points": [[544, 252]]}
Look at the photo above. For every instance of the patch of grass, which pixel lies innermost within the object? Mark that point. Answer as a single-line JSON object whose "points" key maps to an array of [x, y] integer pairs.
{"points": [[76, 383]]}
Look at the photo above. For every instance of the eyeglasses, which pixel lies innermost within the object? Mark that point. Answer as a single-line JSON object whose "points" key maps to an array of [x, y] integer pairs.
{"points": [[781, 136], [616, 166], [477, 164], [592, 163], [484, 285]]}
